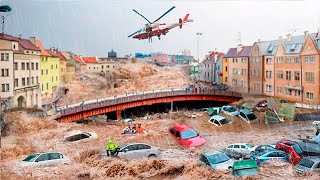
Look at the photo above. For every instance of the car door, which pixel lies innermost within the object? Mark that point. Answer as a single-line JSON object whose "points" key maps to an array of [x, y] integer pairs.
{"points": [[143, 151], [130, 151], [42, 160], [230, 147], [204, 160], [236, 148], [244, 149], [272, 156], [243, 116], [54, 158]]}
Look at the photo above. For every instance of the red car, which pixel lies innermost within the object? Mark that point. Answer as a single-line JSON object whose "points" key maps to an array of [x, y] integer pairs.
{"points": [[302, 149], [285, 145], [186, 136]]}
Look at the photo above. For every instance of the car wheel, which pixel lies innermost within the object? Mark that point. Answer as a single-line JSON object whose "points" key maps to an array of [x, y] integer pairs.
{"points": [[152, 156]]}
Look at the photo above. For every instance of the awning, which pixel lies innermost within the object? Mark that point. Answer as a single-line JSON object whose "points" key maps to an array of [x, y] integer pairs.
{"points": [[298, 88]]}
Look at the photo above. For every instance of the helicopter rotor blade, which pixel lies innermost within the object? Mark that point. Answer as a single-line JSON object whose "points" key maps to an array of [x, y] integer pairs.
{"points": [[141, 15], [164, 14], [135, 33]]}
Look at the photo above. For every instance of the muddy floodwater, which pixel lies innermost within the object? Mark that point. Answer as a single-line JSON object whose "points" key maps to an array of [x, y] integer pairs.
{"points": [[29, 134]]}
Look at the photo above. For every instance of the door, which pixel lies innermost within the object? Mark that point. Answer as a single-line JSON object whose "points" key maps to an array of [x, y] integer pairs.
{"points": [[130, 151], [143, 151], [237, 148], [244, 149], [42, 160], [20, 102], [55, 158], [273, 156]]}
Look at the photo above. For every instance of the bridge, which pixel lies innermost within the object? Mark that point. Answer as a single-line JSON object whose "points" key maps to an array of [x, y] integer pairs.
{"points": [[116, 104]]}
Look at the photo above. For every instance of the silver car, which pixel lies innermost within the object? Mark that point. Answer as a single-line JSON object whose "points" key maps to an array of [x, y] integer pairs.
{"points": [[308, 165], [137, 150], [216, 160], [44, 159]]}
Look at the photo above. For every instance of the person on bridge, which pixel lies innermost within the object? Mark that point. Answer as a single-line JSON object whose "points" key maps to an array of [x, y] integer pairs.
{"points": [[112, 148]]}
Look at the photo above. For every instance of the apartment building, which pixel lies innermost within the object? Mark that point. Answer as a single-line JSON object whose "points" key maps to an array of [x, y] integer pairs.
{"points": [[94, 65], [68, 69], [26, 72], [238, 68], [211, 68]]}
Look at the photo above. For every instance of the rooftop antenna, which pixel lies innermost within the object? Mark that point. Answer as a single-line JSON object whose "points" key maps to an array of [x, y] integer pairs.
{"points": [[4, 9], [239, 38]]}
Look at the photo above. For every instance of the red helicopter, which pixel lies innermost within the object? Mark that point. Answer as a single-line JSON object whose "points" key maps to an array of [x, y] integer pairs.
{"points": [[156, 29]]}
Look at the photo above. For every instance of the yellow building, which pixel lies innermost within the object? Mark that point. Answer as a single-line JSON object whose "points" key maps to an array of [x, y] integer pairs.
{"points": [[225, 71], [68, 69], [49, 72]]}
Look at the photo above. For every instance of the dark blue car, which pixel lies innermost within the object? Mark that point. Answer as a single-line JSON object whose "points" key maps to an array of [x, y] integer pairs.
{"points": [[263, 156]]}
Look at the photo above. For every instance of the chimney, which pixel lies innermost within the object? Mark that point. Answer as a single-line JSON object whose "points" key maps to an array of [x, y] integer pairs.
{"points": [[318, 35], [20, 36], [288, 37], [306, 34], [32, 40], [239, 48]]}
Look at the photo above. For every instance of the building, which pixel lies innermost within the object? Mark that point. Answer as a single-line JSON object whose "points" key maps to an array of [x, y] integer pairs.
{"points": [[70, 57], [256, 66], [94, 65], [49, 72], [181, 59], [238, 64], [225, 66], [211, 68], [68, 73], [25, 56], [186, 52], [82, 64], [161, 58], [112, 54]]}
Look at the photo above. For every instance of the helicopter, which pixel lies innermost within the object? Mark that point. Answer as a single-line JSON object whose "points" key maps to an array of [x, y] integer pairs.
{"points": [[157, 29]]}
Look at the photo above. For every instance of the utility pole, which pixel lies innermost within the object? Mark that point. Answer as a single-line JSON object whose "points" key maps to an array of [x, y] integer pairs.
{"points": [[198, 38]]}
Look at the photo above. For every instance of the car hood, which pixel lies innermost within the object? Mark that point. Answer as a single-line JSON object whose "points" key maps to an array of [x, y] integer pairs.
{"points": [[234, 113], [224, 165], [193, 142]]}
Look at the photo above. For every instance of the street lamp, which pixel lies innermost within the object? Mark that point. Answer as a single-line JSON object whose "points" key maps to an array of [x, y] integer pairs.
{"points": [[198, 36]]}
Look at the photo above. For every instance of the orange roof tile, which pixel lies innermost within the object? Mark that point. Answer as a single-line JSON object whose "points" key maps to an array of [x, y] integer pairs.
{"points": [[43, 51], [61, 56], [90, 59], [77, 58]]}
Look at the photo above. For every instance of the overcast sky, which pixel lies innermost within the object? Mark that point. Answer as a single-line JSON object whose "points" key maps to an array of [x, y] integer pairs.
{"points": [[94, 27]]}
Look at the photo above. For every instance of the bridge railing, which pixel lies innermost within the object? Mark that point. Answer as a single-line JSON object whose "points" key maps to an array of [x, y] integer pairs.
{"points": [[104, 102]]}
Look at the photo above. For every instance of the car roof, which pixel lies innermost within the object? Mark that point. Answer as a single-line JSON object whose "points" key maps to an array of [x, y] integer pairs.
{"points": [[181, 127], [309, 147], [246, 111], [209, 153], [217, 117], [227, 106], [245, 164], [134, 144], [313, 158], [240, 144]]}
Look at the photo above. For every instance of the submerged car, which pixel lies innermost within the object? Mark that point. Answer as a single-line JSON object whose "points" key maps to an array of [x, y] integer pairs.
{"points": [[186, 136], [285, 145], [263, 148], [244, 168], [308, 165], [247, 115], [231, 111], [216, 160], [219, 120], [302, 149], [213, 111], [137, 150], [263, 156], [44, 159], [83, 136], [242, 148]]}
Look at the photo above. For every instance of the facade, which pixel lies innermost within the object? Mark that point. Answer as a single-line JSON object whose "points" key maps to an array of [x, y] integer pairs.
{"points": [[82, 65], [225, 68], [181, 59], [49, 72], [238, 64], [211, 68], [26, 72], [70, 57], [94, 65], [70, 69], [256, 74]]}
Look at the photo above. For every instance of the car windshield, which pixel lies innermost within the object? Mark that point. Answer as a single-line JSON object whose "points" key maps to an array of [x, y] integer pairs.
{"points": [[218, 158], [306, 163], [246, 172], [187, 134], [251, 116], [250, 145], [231, 109], [122, 146], [260, 153], [297, 149], [31, 158], [224, 121]]}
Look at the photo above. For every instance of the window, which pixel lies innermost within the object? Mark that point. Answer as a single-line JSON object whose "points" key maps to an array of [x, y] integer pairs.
{"points": [[244, 71], [289, 60], [108, 66], [279, 90], [288, 75], [309, 95], [36, 66], [244, 60], [55, 156], [32, 66], [46, 58], [279, 60], [226, 79], [28, 67], [15, 66], [226, 68], [234, 82], [4, 56], [23, 81], [37, 80], [41, 87], [270, 49], [269, 61], [5, 88], [297, 60], [56, 78], [23, 66], [46, 71], [297, 93], [234, 60], [28, 81], [51, 66], [41, 71], [289, 92], [16, 82], [293, 47], [268, 88], [56, 66], [32, 80], [101, 66], [268, 74], [279, 74], [4, 72], [52, 79], [143, 146], [244, 84], [235, 71], [310, 77], [43, 157], [309, 59], [236, 146], [297, 76], [47, 86]]}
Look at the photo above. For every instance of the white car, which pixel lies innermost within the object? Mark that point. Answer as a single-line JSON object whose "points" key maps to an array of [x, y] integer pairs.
{"points": [[78, 135], [242, 148], [44, 159], [216, 160], [247, 115], [219, 120], [137, 150], [231, 111]]}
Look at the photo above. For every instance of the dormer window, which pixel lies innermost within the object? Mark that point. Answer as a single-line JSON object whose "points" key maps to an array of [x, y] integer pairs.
{"points": [[270, 49], [293, 47], [14, 46]]}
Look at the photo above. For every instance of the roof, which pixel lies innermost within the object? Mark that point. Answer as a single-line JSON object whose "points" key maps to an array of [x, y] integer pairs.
{"points": [[245, 164], [245, 52], [295, 44], [313, 158], [209, 153], [25, 43], [217, 117], [316, 39], [309, 147], [43, 51], [272, 48], [181, 127], [78, 59], [52, 53], [90, 59], [211, 58], [246, 111], [61, 56]]}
